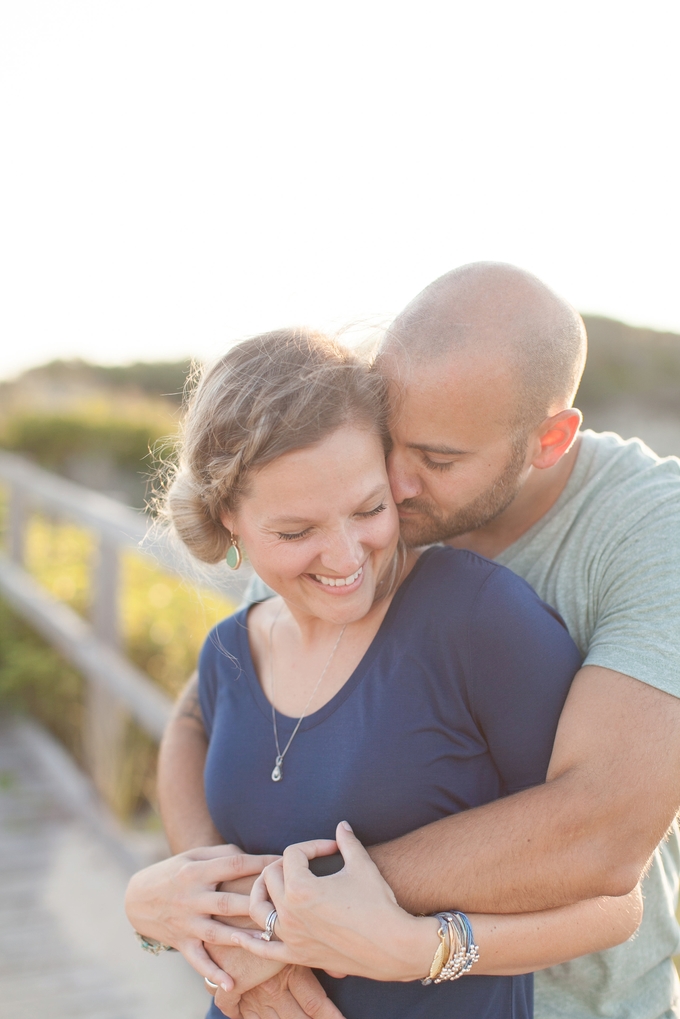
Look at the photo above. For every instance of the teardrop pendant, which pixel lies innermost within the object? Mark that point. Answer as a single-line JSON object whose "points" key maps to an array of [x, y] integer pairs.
{"points": [[277, 774]]}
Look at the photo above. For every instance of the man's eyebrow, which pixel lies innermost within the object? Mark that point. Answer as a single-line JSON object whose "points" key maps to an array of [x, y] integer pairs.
{"points": [[427, 447]]}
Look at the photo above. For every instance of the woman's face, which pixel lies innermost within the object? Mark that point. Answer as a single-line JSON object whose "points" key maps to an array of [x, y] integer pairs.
{"points": [[320, 526]]}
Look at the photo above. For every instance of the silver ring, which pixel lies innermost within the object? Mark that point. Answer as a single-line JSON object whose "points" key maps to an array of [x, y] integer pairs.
{"points": [[268, 932], [210, 985]]}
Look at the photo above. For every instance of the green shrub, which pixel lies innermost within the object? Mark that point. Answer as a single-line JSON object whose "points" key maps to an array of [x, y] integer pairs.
{"points": [[34, 678]]}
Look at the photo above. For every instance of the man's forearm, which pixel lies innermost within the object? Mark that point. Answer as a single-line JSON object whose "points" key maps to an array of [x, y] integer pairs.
{"points": [[520, 854], [181, 761], [613, 789]]}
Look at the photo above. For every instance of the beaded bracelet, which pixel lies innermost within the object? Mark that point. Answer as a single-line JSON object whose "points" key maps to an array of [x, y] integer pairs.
{"points": [[457, 952]]}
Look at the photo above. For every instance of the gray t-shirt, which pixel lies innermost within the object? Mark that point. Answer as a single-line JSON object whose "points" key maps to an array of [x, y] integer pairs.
{"points": [[607, 557]]}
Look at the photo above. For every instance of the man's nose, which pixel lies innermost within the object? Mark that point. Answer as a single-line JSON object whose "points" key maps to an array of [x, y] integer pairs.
{"points": [[404, 482]]}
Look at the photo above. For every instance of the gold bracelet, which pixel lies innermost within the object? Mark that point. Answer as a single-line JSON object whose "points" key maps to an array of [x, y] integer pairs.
{"points": [[441, 956]]}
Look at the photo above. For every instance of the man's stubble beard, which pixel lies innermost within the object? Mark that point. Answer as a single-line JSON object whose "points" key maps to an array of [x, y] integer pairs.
{"points": [[433, 525]]}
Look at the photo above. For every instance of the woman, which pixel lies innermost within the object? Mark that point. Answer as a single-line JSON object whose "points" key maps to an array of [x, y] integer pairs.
{"points": [[379, 688]]}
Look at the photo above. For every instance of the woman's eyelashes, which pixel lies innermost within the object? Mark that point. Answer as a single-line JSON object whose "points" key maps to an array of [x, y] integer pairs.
{"points": [[303, 534]]}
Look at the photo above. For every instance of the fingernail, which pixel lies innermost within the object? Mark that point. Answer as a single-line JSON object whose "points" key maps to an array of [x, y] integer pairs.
{"points": [[346, 825], [224, 988]]}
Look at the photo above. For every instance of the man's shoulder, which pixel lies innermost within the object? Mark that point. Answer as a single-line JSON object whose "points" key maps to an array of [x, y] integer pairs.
{"points": [[610, 458], [623, 479]]}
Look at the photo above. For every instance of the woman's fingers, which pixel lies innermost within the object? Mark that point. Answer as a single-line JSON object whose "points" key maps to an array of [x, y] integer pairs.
{"points": [[253, 943], [196, 955], [310, 850], [223, 904], [225, 868], [267, 889]]}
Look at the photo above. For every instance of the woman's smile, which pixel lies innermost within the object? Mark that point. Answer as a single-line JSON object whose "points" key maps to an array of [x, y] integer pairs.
{"points": [[337, 585]]}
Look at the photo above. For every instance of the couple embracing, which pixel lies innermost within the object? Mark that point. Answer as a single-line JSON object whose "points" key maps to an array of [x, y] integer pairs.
{"points": [[439, 751]]}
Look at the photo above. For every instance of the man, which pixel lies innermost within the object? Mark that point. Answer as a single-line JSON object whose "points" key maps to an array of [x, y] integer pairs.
{"points": [[483, 367]]}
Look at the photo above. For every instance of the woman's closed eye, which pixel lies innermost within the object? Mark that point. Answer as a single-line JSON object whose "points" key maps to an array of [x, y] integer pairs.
{"points": [[287, 536]]}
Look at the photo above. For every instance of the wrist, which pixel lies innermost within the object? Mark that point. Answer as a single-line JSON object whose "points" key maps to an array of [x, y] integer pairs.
{"points": [[415, 944]]}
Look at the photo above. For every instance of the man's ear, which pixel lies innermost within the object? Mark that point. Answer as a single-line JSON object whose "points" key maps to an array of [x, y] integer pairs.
{"points": [[556, 436]]}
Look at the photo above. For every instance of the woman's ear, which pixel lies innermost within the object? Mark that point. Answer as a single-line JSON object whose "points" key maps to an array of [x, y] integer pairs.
{"points": [[227, 520]]}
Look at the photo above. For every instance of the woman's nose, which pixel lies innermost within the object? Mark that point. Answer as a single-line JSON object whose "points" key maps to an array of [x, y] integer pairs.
{"points": [[344, 554], [404, 482]]}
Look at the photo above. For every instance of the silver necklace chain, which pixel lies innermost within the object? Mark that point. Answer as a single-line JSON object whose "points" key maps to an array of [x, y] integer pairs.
{"points": [[277, 773]]}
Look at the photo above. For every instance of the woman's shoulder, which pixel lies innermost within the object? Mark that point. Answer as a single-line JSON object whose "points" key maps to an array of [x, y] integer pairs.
{"points": [[225, 639], [458, 568], [477, 585]]}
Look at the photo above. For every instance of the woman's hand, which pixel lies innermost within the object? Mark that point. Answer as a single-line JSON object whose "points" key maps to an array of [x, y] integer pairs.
{"points": [[176, 901], [346, 923]]}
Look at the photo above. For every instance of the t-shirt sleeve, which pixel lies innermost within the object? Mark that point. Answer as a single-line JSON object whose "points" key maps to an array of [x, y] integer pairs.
{"points": [[521, 664], [637, 630]]}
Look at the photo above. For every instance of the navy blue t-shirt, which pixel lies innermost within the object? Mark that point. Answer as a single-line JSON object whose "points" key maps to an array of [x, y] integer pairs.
{"points": [[454, 704]]}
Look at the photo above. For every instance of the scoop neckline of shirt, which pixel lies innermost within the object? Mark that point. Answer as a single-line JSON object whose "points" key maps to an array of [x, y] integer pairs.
{"points": [[327, 709]]}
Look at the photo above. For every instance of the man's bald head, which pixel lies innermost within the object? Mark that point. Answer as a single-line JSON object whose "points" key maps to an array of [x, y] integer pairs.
{"points": [[503, 315]]}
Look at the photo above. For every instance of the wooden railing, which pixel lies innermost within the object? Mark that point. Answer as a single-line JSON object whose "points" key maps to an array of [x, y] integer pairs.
{"points": [[116, 687]]}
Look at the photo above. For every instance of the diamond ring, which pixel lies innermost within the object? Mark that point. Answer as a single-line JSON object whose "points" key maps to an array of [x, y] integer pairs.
{"points": [[268, 932]]}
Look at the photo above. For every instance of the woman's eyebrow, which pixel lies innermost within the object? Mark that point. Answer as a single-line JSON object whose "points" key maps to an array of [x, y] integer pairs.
{"points": [[379, 490], [427, 447]]}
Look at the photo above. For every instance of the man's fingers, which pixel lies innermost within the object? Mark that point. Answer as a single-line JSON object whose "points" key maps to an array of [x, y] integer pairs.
{"points": [[311, 996], [229, 1004], [260, 1004]]}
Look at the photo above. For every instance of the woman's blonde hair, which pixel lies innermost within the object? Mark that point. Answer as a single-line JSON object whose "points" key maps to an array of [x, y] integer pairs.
{"points": [[267, 396]]}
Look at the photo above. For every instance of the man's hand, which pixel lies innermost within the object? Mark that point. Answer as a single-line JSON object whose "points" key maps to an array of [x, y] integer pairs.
{"points": [[294, 993], [175, 902]]}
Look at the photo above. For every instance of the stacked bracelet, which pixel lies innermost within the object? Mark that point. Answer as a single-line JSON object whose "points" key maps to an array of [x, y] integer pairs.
{"points": [[153, 946], [457, 952]]}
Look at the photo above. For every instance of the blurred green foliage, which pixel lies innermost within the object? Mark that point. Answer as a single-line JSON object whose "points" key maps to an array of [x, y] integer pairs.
{"points": [[34, 678], [632, 364], [164, 622], [53, 439]]}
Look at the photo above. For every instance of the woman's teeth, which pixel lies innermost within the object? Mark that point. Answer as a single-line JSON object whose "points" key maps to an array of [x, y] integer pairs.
{"points": [[339, 581]]}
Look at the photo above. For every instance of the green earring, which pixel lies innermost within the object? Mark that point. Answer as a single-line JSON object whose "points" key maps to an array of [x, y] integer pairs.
{"points": [[234, 557]]}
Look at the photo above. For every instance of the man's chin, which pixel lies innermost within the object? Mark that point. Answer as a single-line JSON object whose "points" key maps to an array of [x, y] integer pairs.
{"points": [[417, 531]]}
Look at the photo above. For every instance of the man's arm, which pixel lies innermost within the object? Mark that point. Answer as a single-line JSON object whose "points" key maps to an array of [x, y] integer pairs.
{"points": [[181, 760], [613, 789]]}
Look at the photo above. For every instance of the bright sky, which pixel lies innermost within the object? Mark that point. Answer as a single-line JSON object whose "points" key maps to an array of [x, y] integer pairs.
{"points": [[179, 174]]}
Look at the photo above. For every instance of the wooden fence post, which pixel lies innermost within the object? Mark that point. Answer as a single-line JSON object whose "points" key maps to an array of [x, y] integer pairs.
{"points": [[16, 520], [106, 719]]}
